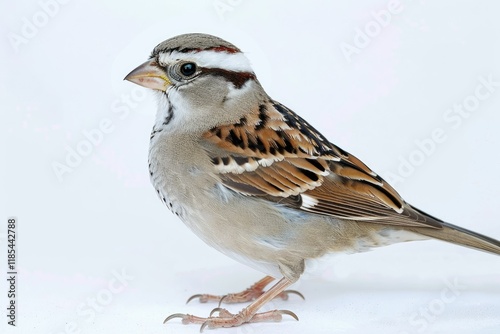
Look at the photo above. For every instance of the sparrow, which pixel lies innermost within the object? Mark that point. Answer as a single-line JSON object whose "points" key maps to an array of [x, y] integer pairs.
{"points": [[254, 180]]}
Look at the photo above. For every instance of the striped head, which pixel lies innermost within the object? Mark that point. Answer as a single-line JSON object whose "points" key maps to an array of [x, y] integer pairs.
{"points": [[202, 81]]}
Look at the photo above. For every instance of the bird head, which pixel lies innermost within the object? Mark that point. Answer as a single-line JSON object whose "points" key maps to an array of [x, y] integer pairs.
{"points": [[200, 78]]}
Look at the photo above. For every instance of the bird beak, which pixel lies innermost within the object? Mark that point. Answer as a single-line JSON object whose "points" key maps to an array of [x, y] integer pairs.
{"points": [[149, 75]]}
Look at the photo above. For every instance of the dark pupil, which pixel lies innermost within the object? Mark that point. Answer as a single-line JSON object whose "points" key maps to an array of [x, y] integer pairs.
{"points": [[188, 69]]}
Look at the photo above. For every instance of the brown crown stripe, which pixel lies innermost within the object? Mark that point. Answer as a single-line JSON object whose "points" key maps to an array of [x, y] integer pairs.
{"points": [[214, 48], [187, 50], [223, 49]]}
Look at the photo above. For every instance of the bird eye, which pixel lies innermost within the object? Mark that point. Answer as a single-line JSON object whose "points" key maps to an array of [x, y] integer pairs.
{"points": [[188, 69]]}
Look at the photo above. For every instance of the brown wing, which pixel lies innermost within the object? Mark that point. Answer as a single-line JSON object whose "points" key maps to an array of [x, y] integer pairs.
{"points": [[274, 154]]}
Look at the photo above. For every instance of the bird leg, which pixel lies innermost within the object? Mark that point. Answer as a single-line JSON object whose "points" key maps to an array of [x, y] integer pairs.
{"points": [[247, 295], [247, 315]]}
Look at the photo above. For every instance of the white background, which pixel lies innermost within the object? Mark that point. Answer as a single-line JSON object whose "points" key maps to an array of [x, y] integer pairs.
{"points": [[64, 77]]}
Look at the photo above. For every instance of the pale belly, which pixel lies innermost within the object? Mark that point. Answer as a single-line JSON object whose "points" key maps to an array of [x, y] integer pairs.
{"points": [[263, 235]]}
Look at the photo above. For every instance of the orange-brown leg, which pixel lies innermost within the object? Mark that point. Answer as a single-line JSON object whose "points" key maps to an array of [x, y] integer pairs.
{"points": [[247, 315], [247, 295]]}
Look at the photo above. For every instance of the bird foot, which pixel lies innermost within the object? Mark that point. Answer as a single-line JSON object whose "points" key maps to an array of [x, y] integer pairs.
{"points": [[241, 297], [248, 295], [228, 319]]}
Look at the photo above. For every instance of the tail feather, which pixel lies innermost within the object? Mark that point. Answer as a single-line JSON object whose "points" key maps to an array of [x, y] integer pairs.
{"points": [[463, 237]]}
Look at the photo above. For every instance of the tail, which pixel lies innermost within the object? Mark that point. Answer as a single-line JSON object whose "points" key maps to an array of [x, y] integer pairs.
{"points": [[462, 237]]}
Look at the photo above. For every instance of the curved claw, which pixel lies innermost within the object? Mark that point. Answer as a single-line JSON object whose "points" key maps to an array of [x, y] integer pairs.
{"points": [[203, 325], [221, 300], [217, 309], [193, 297], [173, 316], [295, 292], [290, 313]]}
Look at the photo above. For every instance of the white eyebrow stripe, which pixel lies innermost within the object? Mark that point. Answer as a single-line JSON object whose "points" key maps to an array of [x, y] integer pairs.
{"points": [[211, 59]]}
